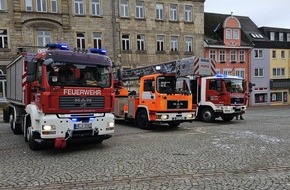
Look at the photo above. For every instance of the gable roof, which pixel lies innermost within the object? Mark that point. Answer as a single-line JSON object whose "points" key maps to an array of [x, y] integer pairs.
{"points": [[213, 29]]}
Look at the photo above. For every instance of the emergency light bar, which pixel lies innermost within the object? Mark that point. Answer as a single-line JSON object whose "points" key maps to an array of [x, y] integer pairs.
{"points": [[58, 46], [221, 75], [99, 51]]}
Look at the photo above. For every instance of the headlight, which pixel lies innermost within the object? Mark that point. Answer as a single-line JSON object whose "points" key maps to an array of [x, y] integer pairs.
{"points": [[111, 124], [48, 127], [164, 117], [54, 79], [189, 115]]}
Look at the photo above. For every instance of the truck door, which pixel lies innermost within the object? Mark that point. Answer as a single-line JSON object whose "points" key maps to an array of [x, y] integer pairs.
{"points": [[148, 93], [213, 91]]}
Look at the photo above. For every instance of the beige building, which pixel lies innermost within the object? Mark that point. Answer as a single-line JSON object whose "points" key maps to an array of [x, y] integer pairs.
{"points": [[134, 32]]}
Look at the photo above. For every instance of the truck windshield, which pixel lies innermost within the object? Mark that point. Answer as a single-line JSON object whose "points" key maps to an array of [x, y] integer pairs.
{"points": [[64, 74], [234, 85], [173, 85]]}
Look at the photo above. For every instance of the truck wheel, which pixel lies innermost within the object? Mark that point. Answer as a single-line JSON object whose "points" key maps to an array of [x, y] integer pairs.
{"points": [[142, 120], [31, 140], [227, 118], [207, 115], [15, 127]]}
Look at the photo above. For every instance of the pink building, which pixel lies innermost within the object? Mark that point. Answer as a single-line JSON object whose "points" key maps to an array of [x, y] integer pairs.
{"points": [[227, 44]]}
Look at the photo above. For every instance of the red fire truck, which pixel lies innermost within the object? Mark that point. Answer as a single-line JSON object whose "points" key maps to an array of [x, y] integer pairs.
{"points": [[54, 100]]}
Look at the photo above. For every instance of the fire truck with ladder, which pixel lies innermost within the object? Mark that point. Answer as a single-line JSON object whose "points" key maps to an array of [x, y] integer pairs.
{"points": [[51, 100], [212, 95], [162, 97]]}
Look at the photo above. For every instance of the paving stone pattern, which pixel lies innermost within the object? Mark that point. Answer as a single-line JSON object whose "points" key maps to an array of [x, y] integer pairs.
{"points": [[249, 154]]}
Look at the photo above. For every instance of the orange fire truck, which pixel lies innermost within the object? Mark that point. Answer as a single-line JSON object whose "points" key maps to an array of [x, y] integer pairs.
{"points": [[162, 97], [212, 95], [51, 101]]}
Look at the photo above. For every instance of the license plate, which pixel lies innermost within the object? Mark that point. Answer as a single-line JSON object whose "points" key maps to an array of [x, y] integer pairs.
{"points": [[83, 126], [178, 118]]}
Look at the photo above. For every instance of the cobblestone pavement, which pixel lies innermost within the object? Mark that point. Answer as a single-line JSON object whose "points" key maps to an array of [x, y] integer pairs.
{"points": [[249, 154]]}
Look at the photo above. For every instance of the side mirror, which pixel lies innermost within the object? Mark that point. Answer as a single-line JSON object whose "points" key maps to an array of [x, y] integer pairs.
{"points": [[31, 71], [48, 62], [119, 77]]}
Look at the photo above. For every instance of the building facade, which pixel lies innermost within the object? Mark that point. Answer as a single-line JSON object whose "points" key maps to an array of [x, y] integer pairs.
{"points": [[278, 46], [134, 32], [226, 43]]}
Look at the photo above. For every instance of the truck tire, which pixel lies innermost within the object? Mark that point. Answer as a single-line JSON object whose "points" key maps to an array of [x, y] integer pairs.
{"points": [[15, 127], [227, 117], [31, 139], [142, 120], [207, 115]]}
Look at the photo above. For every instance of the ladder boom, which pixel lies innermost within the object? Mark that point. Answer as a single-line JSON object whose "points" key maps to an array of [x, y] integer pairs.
{"points": [[181, 67]]}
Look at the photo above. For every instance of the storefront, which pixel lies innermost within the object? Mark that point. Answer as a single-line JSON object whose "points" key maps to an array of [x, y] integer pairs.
{"points": [[279, 91]]}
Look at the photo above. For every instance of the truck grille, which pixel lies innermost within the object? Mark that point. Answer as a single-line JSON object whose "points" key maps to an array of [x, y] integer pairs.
{"points": [[68, 102], [177, 104], [237, 100]]}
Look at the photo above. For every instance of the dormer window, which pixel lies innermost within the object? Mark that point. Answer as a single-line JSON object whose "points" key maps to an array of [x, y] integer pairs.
{"points": [[236, 34], [228, 33], [272, 36]]}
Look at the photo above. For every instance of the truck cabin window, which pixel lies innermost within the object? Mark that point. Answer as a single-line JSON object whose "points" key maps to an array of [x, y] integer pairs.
{"points": [[234, 85], [215, 85], [173, 85], [65, 74]]}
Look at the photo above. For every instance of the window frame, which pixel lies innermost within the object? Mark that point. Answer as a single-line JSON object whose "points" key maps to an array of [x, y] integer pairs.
{"points": [[174, 43], [188, 44], [242, 57], [241, 71], [283, 54], [44, 37], [96, 7], [259, 72], [222, 55], [4, 39], [41, 5], [279, 72], [159, 12], [227, 71], [125, 42], [140, 42], [233, 56], [281, 36], [212, 54], [258, 54], [229, 34], [79, 7], [81, 40], [188, 13], [274, 54], [139, 10], [173, 12], [28, 3], [97, 40], [56, 6], [124, 9], [236, 34], [272, 36], [160, 43], [3, 5]]}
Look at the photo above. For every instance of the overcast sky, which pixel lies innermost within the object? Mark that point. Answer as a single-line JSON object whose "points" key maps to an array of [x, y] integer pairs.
{"points": [[271, 13]]}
